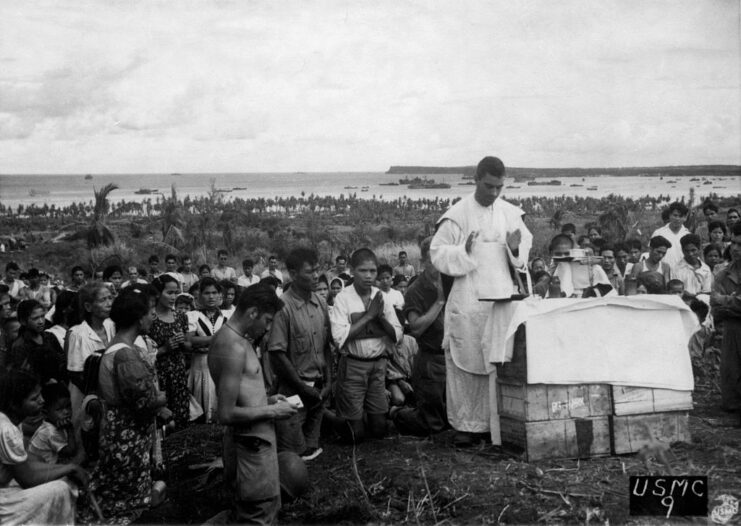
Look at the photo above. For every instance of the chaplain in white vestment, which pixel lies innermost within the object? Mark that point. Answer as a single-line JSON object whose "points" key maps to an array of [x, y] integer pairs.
{"points": [[477, 241]]}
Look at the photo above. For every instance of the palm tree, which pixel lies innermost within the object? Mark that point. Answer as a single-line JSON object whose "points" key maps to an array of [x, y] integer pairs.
{"points": [[173, 220], [98, 234]]}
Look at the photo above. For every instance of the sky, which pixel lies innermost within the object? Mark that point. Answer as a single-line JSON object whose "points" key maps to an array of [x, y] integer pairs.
{"points": [[263, 86]]}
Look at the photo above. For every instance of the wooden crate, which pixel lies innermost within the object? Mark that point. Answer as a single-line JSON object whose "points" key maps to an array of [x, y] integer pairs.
{"points": [[537, 402], [638, 400], [566, 438], [631, 432], [516, 369]]}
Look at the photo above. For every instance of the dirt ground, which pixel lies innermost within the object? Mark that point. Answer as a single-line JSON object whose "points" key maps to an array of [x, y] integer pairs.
{"points": [[403, 480]]}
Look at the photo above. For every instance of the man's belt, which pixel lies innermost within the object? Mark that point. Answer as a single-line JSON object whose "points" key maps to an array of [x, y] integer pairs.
{"points": [[360, 359]]}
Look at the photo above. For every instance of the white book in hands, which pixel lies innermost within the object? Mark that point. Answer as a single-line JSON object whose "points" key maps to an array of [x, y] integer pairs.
{"points": [[295, 401]]}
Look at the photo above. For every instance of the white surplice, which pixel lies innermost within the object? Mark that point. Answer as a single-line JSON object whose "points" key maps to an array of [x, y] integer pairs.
{"points": [[470, 377]]}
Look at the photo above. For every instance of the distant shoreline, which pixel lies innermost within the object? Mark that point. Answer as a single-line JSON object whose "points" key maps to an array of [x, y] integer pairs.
{"points": [[716, 170]]}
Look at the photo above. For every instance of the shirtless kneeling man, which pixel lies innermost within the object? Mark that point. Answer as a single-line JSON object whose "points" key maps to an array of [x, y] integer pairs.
{"points": [[250, 454]]}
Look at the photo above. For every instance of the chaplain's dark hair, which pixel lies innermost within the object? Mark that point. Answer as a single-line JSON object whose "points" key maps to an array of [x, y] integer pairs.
{"points": [[15, 386], [490, 165], [248, 263], [75, 269], [260, 296], [162, 280], [709, 205], [690, 239], [110, 270], [130, 306], [298, 256], [209, 282], [53, 393], [362, 255], [659, 241]]}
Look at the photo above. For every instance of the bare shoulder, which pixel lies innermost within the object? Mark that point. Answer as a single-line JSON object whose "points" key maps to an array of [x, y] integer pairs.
{"points": [[226, 350]]}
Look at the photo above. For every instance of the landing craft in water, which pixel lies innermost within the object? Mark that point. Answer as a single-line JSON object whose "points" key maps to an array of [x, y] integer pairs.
{"points": [[419, 183], [552, 182]]}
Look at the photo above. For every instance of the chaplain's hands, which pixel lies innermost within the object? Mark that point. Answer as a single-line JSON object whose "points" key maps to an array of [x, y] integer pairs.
{"points": [[470, 241], [513, 239]]}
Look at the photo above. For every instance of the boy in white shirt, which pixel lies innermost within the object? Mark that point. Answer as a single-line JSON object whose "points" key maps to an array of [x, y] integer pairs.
{"points": [[363, 325]]}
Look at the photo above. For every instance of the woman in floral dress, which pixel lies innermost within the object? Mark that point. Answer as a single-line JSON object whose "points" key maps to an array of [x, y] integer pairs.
{"points": [[121, 481], [209, 320], [170, 332]]}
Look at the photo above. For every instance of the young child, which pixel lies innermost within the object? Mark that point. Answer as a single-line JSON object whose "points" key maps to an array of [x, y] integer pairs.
{"points": [[228, 293], [363, 326], [399, 370], [55, 437], [35, 349], [676, 287], [385, 279]]}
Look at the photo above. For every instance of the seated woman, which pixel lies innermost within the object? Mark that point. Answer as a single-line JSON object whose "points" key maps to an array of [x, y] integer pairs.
{"points": [[122, 479], [42, 495]]}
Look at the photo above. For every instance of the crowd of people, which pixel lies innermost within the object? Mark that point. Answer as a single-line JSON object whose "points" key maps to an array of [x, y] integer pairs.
{"points": [[96, 368]]}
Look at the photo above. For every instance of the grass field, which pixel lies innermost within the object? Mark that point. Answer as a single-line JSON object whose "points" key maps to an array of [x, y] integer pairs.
{"points": [[404, 480]]}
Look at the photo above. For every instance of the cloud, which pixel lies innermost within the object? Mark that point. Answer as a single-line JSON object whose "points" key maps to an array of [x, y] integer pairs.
{"points": [[200, 86]]}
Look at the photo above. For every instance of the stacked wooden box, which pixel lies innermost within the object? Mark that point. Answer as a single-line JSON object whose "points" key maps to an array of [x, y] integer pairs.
{"points": [[642, 415], [588, 420], [551, 421]]}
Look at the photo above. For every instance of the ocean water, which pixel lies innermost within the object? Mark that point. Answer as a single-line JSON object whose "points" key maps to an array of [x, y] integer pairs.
{"points": [[66, 189]]}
